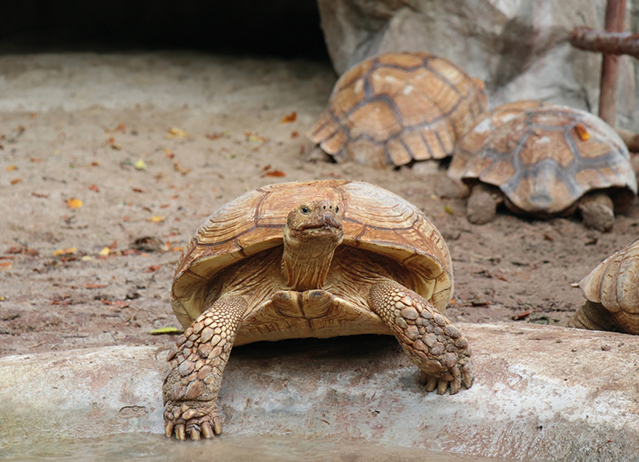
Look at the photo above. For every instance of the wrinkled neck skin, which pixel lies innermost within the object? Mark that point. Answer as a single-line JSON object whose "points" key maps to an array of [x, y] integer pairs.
{"points": [[307, 259]]}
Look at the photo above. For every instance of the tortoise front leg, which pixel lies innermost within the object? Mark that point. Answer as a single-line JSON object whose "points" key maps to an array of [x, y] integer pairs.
{"points": [[597, 211], [197, 362], [427, 337]]}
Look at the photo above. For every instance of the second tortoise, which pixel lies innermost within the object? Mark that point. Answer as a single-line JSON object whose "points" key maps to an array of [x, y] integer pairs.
{"points": [[545, 160]]}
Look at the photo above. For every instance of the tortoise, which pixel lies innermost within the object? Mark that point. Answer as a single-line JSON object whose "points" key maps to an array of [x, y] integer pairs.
{"points": [[544, 160], [612, 298], [396, 108], [308, 259]]}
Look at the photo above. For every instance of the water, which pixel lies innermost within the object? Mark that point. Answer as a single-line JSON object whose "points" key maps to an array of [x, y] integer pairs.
{"points": [[148, 447]]}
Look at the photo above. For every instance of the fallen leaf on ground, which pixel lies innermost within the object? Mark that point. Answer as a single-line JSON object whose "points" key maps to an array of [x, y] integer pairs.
{"points": [[44, 196], [95, 286], [16, 180], [276, 173], [67, 251], [74, 203], [137, 190], [176, 133], [105, 252], [294, 134], [178, 168], [152, 268], [23, 251], [11, 168], [117, 303], [214, 136], [6, 265], [166, 331], [289, 118], [140, 165], [448, 210], [94, 188], [156, 219]]}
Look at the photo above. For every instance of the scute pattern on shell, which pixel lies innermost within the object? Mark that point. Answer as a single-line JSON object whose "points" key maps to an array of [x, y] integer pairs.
{"points": [[396, 108], [473, 140], [613, 284], [374, 219], [543, 162]]}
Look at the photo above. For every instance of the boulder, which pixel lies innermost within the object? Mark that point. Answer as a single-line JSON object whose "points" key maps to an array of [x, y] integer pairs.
{"points": [[540, 393], [520, 49]]}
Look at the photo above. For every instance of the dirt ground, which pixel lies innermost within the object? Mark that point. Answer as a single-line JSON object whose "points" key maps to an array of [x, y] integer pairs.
{"points": [[149, 145]]}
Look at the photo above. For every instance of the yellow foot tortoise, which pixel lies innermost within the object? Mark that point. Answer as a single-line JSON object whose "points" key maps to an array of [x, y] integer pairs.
{"points": [[612, 298], [396, 108], [315, 259], [544, 160]]}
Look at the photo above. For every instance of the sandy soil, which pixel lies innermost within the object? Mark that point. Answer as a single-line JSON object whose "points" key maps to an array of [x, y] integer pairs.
{"points": [[97, 128]]}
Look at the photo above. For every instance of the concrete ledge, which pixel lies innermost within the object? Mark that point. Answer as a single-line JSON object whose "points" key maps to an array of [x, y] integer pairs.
{"points": [[539, 393]]}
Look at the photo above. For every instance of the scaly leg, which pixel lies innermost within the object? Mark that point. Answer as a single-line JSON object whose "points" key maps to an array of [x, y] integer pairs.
{"points": [[427, 337], [197, 363]]}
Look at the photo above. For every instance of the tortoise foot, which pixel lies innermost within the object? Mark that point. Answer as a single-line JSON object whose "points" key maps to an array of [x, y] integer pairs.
{"points": [[482, 205], [196, 419], [598, 216], [428, 337]]}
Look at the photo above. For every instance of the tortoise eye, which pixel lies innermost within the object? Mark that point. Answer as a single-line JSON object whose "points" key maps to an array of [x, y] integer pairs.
{"points": [[305, 210]]}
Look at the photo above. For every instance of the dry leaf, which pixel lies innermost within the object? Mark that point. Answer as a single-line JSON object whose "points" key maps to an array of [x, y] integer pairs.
{"points": [[290, 118], [95, 286], [116, 303], [11, 168], [45, 196], [105, 252], [140, 165], [6, 265], [67, 251], [152, 268], [137, 190], [178, 168], [74, 203], [277, 173], [176, 133], [294, 134], [94, 188], [448, 210], [156, 219], [16, 180], [582, 132]]}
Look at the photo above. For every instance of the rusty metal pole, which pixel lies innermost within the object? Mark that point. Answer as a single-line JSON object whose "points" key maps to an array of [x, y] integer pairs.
{"points": [[615, 15]]}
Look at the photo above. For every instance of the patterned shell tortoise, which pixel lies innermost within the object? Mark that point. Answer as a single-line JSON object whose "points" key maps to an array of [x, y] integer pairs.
{"points": [[396, 108], [544, 160], [612, 298], [314, 259]]}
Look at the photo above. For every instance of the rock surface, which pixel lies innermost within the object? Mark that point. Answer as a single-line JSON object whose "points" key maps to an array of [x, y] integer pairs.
{"points": [[519, 48], [540, 393]]}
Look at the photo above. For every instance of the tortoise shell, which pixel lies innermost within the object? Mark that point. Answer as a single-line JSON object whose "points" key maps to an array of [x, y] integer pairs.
{"points": [[544, 157], [396, 108], [373, 218], [470, 144], [613, 285]]}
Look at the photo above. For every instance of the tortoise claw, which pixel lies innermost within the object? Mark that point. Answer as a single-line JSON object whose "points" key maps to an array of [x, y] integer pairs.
{"points": [[207, 431], [179, 432], [168, 429], [195, 434]]}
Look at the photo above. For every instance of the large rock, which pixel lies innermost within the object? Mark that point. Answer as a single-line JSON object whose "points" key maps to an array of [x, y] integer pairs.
{"points": [[540, 393], [519, 48]]}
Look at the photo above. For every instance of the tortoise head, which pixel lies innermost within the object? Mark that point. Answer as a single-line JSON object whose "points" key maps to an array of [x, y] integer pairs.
{"points": [[312, 233], [317, 220]]}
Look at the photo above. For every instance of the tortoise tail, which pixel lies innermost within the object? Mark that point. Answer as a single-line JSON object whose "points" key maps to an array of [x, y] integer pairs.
{"points": [[594, 316]]}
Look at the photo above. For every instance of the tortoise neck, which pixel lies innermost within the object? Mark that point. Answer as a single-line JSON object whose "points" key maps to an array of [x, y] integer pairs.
{"points": [[306, 262]]}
